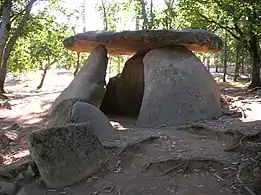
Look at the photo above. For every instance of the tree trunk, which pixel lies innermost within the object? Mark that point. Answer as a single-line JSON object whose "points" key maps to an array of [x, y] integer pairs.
{"points": [[225, 61], [42, 79], [207, 63], [242, 64], [137, 20], [4, 34], [237, 64], [144, 14], [77, 64], [151, 14], [256, 61], [105, 19], [10, 44]]}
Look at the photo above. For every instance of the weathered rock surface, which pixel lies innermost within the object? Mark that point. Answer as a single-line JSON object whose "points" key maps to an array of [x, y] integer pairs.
{"points": [[127, 89], [83, 112], [177, 89], [131, 42], [60, 115], [89, 84], [7, 188], [75, 111], [66, 155]]}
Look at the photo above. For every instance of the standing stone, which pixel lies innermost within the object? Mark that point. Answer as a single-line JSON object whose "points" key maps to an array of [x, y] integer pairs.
{"points": [[89, 83], [66, 155], [73, 111], [125, 92], [130, 87], [177, 89]]}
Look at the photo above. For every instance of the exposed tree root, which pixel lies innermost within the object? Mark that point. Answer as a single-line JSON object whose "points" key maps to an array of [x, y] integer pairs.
{"points": [[112, 164], [5, 105], [240, 180], [196, 126], [254, 89], [181, 164], [233, 147], [239, 137], [136, 144], [24, 164], [3, 97]]}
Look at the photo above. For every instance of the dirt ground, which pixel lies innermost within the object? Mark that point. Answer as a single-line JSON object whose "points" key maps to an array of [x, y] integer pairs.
{"points": [[210, 157]]}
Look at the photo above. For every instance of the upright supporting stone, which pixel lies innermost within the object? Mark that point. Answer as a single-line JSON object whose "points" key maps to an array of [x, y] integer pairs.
{"points": [[178, 89], [66, 155], [89, 84], [127, 89]]}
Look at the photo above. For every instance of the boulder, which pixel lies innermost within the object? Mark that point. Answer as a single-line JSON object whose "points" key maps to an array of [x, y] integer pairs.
{"points": [[178, 89], [127, 90], [74, 111], [65, 155], [131, 42], [83, 112], [7, 188], [60, 114], [89, 83]]}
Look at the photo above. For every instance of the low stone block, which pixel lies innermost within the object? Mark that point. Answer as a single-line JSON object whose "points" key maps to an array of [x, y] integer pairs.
{"points": [[65, 155]]}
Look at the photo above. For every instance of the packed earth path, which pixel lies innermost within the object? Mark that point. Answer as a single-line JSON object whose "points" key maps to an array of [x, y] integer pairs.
{"points": [[209, 157]]}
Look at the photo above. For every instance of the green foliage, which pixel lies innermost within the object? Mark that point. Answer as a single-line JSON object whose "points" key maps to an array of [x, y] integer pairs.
{"points": [[40, 45]]}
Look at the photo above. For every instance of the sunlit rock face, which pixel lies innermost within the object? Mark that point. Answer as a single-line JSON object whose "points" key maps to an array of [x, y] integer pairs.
{"points": [[89, 84], [178, 89]]}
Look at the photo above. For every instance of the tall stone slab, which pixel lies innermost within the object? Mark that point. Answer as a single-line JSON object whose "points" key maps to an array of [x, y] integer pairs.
{"points": [[89, 84], [178, 89]]}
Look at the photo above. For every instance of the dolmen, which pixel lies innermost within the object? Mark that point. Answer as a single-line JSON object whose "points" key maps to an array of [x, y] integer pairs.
{"points": [[163, 83]]}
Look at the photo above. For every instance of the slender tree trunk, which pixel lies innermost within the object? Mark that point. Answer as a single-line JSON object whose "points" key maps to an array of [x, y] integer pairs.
{"points": [[105, 19], [225, 61], [119, 66], [256, 61], [144, 14], [43, 77], [207, 63], [237, 64], [151, 15], [77, 64], [242, 66], [10, 44], [4, 34], [137, 20]]}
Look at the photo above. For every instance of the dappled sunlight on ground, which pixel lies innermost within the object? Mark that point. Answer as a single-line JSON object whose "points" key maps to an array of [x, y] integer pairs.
{"points": [[117, 126], [12, 158], [29, 108]]}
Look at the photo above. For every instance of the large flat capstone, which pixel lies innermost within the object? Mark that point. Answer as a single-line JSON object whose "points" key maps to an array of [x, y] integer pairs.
{"points": [[65, 155], [178, 89], [131, 42]]}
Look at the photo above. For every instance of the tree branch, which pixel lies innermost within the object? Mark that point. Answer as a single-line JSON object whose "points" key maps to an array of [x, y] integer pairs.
{"points": [[220, 26], [18, 30]]}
